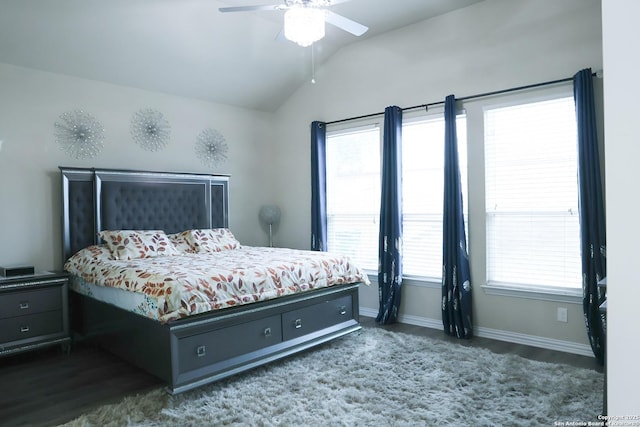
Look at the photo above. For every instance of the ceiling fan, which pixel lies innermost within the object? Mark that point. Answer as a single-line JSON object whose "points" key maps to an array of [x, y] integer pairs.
{"points": [[304, 20]]}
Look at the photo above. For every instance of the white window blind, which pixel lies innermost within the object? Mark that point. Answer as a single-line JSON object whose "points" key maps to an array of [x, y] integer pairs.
{"points": [[353, 194], [423, 193], [532, 222]]}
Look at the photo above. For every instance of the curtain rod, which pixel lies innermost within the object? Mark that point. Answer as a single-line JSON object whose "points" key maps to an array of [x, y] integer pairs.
{"points": [[466, 98]]}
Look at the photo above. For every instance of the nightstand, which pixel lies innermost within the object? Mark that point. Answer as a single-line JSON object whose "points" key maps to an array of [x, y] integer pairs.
{"points": [[34, 312]]}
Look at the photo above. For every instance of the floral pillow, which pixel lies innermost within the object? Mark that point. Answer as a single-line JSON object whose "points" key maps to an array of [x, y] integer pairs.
{"points": [[92, 253], [180, 242], [132, 244], [212, 240], [87, 262]]}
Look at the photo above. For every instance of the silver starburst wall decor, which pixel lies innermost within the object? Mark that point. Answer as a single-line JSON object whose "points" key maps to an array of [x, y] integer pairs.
{"points": [[211, 147], [150, 129], [79, 134]]}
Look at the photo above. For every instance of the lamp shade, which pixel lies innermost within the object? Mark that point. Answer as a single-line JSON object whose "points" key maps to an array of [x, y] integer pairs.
{"points": [[304, 25], [270, 214]]}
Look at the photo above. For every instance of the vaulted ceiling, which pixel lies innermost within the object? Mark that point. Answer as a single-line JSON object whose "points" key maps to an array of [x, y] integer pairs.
{"points": [[187, 47]]}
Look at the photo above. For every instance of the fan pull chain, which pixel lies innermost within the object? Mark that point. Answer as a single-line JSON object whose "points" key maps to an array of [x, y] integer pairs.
{"points": [[313, 64]]}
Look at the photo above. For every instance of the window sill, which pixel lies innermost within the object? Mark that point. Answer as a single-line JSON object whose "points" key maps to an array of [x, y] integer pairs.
{"points": [[424, 282], [544, 293]]}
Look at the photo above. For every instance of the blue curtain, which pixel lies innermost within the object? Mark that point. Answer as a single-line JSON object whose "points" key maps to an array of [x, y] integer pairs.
{"points": [[318, 186], [456, 279], [390, 237], [591, 206]]}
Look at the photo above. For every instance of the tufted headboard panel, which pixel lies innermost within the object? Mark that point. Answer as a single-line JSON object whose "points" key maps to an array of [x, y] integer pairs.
{"points": [[103, 199]]}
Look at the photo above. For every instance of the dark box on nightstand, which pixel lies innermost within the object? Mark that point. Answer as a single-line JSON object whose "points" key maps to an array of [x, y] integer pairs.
{"points": [[17, 270]]}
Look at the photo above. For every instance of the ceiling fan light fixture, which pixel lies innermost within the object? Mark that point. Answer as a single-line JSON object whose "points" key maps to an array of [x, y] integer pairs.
{"points": [[304, 25]]}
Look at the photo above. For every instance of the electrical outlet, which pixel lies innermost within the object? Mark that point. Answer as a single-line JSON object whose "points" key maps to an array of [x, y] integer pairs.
{"points": [[562, 315]]}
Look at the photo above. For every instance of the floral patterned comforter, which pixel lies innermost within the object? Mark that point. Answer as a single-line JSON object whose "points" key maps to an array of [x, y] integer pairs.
{"points": [[187, 284]]}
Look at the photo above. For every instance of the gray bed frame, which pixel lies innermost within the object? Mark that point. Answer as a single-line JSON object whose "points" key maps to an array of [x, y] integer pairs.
{"points": [[203, 348]]}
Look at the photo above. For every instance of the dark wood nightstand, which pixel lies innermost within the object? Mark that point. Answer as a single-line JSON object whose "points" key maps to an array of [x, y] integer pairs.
{"points": [[34, 312]]}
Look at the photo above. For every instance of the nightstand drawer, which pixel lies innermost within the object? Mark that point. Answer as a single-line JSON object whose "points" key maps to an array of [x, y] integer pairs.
{"points": [[310, 319], [33, 301], [32, 325]]}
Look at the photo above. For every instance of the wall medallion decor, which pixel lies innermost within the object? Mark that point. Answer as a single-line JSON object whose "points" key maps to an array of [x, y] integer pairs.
{"points": [[211, 147], [79, 134], [150, 129]]}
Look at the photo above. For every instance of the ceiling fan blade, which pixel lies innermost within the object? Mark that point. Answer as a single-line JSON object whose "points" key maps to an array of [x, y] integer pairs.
{"points": [[250, 8], [345, 23]]}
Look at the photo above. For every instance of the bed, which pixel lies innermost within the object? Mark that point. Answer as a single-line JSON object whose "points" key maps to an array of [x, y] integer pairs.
{"points": [[169, 313]]}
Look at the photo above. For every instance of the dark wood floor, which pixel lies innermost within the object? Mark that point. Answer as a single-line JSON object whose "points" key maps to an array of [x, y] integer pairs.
{"points": [[48, 387]]}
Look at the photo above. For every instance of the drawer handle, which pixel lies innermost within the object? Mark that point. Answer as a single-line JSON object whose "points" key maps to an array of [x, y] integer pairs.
{"points": [[201, 351], [24, 329], [24, 305], [267, 332], [297, 323], [342, 310]]}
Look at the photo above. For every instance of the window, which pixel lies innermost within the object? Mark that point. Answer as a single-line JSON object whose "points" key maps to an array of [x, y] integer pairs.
{"points": [[531, 189], [528, 180], [423, 193], [353, 194]]}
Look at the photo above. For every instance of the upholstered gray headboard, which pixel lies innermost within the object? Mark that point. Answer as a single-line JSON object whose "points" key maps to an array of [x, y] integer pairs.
{"points": [[104, 199]]}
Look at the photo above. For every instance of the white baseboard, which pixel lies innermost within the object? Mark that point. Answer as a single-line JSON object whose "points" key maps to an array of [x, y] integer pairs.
{"points": [[496, 334]]}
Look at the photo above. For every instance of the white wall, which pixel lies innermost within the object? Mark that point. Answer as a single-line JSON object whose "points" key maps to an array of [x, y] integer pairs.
{"points": [[32, 101], [621, 91], [495, 44]]}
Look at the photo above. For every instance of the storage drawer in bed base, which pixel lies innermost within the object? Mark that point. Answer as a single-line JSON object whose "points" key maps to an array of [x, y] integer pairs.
{"points": [[316, 317], [212, 347], [195, 351], [214, 350], [214, 372]]}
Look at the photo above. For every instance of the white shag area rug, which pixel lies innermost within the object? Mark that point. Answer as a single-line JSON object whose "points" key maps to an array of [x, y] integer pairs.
{"points": [[376, 378]]}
